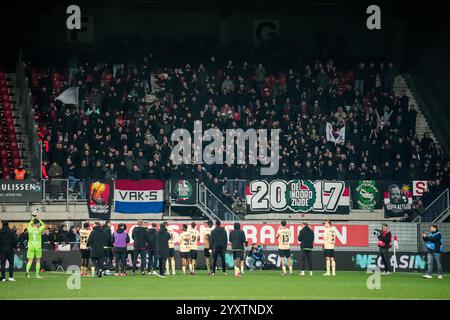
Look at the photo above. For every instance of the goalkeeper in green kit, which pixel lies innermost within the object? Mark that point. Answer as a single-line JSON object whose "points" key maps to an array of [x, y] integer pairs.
{"points": [[35, 230]]}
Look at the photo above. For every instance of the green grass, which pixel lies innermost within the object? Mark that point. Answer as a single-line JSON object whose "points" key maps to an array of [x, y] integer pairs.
{"points": [[252, 285]]}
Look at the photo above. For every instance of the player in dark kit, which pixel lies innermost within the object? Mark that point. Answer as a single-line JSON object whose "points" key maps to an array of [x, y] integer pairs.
{"points": [[238, 244], [96, 242]]}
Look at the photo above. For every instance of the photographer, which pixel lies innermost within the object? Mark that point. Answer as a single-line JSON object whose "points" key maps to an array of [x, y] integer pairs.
{"points": [[384, 243]]}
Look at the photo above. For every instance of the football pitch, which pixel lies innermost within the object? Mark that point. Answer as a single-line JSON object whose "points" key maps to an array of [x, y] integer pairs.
{"points": [[252, 285]]}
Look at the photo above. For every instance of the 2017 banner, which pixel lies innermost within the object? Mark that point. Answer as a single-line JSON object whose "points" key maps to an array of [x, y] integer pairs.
{"points": [[303, 196], [99, 200], [347, 235], [139, 196]]}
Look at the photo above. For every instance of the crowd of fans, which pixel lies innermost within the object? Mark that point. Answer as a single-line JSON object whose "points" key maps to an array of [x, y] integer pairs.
{"points": [[52, 238], [122, 125]]}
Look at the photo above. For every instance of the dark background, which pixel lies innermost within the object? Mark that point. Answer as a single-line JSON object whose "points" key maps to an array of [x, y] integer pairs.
{"points": [[318, 28]]}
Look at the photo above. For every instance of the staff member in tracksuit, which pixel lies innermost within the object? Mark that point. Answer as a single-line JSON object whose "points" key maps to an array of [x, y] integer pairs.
{"points": [[151, 247], [97, 242], [8, 241], [219, 241], [238, 244], [306, 239], [108, 246], [139, 236], [433, 242], [162, 247], [120, 240], [384, 243]]}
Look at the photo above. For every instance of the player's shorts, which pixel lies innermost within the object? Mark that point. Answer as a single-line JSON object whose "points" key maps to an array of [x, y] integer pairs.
{"points": [[184, 255], [238, 254], [284, 253], [329, 253], [207, 253], [171, 252], [34, 253], [85, 253], [193, 254]]}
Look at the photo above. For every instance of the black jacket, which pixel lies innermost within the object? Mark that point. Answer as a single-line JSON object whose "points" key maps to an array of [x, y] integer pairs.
{"points": [[108, 236], [162, 242], [386, 238], [96, 242], [306, 238], [139, 236], [8, 239], [219, 238], [237, 239], [151, 239]]}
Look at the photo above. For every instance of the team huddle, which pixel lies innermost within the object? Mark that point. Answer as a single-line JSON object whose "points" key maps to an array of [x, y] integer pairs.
{"points": [[99, 245]]}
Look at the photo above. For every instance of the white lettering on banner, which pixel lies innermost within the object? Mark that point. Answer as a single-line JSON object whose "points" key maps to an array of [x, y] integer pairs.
{"points": [[251, 233], [265, 234], [139, 195], [298, 196], [340, 235]]}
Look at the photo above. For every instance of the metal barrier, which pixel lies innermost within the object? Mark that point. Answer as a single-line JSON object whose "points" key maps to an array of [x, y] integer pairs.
{"points": [[214, 206], [56, 190], [236, 187], [438, 207], [25, 106]]}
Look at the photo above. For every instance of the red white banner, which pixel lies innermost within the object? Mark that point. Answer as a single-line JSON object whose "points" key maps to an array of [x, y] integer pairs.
{"points": [[347, 235]]}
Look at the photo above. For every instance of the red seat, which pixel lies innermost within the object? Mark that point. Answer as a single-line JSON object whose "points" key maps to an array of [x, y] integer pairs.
{"points": [[3, 90], [16, 162]]}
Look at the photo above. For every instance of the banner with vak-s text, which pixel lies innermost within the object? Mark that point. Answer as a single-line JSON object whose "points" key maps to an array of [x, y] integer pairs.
{"points": [[99, 200], [20, 191], [305, 196], [139, 196], [347, 235]]}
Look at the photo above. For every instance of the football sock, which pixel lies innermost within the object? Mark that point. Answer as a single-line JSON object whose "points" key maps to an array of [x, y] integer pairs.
{"points": [[328, 266], [38, 268], [242, 266], [29, 263], [333, 266], [208, 265], [184, 269], [290, 269], [173, 265], [283, 268], [93, 270], [190, 267], [167, 266]]}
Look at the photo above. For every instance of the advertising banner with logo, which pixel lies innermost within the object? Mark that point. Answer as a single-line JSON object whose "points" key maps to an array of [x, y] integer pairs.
{"points": [[347, 235], [139, 196], [99, 200], [303, 196], [397, 198], [348, 260], [184, 191], [365, 195], [20, 191]]}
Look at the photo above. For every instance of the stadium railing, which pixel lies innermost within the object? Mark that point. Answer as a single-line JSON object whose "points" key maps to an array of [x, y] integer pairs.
{"points": [[56, 191], [214, 206], [438, 208], [26, 108]]}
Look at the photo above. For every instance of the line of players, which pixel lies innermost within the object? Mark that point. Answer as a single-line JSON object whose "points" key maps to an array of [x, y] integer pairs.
{"points": [[215, 246]]}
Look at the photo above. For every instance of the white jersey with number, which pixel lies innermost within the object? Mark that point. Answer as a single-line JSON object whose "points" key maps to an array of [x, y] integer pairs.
{"points": [[284, 238], [329, 238]]}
